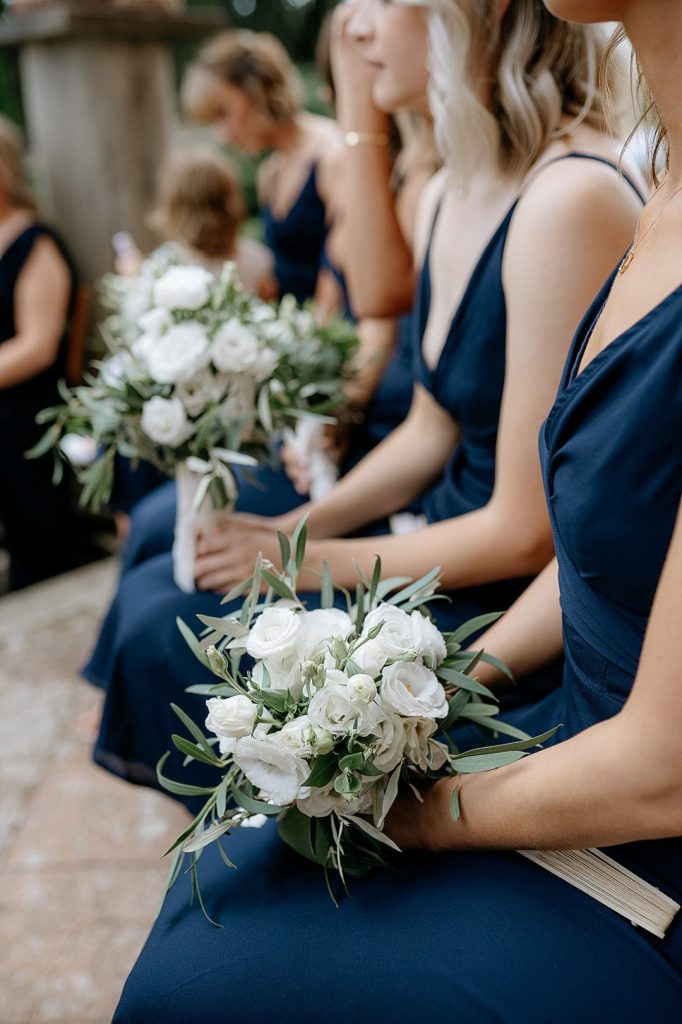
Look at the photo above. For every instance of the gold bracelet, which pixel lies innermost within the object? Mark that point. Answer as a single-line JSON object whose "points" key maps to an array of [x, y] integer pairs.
{"points": [[353, 139]]}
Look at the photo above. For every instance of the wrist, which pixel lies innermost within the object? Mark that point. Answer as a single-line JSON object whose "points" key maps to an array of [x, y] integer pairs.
{"points": [[358, 116]]}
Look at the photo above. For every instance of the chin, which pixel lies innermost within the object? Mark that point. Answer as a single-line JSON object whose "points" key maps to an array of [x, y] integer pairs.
{"points": [[586, 12]]}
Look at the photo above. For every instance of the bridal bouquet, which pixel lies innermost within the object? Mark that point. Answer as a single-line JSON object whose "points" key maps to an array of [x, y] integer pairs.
{"points": [[334, 710], [199, 377]]}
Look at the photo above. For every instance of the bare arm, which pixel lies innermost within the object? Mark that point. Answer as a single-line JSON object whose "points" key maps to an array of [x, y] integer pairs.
{"points": [[547, 289], [40, 306], [593, 790], [381, 272]]}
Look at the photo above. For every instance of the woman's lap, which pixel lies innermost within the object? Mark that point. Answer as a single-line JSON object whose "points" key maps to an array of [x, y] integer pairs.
{"points": [[468, 938]]}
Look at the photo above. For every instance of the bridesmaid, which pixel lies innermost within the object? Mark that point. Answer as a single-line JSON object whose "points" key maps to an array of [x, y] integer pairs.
{"points": [[392, 187], [458, 934], [244, 85], [504, 247], [37, 288]]}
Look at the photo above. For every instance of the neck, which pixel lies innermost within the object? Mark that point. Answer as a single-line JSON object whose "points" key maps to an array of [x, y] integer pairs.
{"points": [[654, 30], [286, 136]]}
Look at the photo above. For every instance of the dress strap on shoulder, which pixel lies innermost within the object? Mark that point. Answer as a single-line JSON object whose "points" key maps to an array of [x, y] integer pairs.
{"points": [[577, 155]]}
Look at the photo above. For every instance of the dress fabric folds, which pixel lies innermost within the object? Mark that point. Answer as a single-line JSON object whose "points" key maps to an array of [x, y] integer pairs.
{"points": [[477, 938]]}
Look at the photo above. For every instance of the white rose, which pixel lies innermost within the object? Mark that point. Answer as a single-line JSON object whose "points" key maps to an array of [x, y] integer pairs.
{"points": [[319, 626], [271, 767], [411, 689], [420, 748], [397, 633], [182, 352], [230, 718], [428, 639], [391, 743], [274, 635], [155, 322], [338, 710], [235, 347], [197, 392], [164, 421], [183, 288]]}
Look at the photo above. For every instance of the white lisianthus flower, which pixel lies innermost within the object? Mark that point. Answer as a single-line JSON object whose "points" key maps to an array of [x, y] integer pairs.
{"points": [[297, 736], [371, 657], [235, 347], [413, 690], [142, 346], [255, 821], [278, 333], [271, 767], [230, 718], [304, 322], [396, 638], [391, 742], [182, 352], [274, 635], [318, 803], [164, 421], [197, 392], [265, 363], [362, 687], [136, 300], [261, 312], [336, 708], [281, 675], [117, 369], [183, 288], [423, 751], [319, 626], [155, 322], [428, 639]]}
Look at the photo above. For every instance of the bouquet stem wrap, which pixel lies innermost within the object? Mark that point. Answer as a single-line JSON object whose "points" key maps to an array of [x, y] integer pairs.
{"points": [[195, 510], [306, 441]]}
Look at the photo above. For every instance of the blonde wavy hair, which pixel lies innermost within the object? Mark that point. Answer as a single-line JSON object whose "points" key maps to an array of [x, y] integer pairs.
{"points": [[12, 175], [539, 71], [254, 62], [200, 201]]}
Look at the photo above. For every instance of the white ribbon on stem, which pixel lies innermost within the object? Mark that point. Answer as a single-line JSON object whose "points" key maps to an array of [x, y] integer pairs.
{"points": [[195, 509]]}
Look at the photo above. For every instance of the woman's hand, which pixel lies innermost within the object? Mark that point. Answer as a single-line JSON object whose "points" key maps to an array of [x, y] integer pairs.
{"points": [[356, 109], [296, 464], [226, 555], [424, 824]]}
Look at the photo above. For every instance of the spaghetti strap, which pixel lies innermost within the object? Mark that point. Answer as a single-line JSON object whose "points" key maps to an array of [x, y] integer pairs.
{"points": [[576, 155]]}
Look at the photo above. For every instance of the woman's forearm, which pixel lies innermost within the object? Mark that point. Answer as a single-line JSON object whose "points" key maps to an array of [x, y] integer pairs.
{"points": [[593, 790], [388, 478], [22, 358], [529, 635]]}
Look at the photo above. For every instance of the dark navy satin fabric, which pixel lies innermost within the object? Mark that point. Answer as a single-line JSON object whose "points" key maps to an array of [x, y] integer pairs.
{"points": [[297, 241]]}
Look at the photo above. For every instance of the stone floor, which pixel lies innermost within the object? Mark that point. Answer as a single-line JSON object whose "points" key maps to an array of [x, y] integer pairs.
{"points": [[80, 851]]}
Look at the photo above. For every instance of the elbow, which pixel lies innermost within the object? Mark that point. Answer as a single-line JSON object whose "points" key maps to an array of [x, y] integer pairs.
{"points": [[534, 553], [382, 299]]}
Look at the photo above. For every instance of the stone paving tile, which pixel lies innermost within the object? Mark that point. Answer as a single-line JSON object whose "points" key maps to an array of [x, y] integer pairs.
{"points": [[80, 851]]}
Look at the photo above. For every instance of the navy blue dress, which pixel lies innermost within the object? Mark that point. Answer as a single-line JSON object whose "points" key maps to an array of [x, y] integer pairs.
{"points": [[38, 522], [477, 938], [142, 661], [297, 240]]}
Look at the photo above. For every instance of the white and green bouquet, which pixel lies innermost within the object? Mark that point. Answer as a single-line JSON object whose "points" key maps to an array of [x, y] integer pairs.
{"points": [[319, 717], [199, 377]]}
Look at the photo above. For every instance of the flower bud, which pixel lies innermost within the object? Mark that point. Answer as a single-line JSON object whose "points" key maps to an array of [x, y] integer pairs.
{"points": [[217, 662], [338, 648], [363, 687]]}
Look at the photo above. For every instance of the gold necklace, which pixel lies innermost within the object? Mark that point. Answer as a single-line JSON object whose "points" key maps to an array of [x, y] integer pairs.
{"points": [[638, 239]]}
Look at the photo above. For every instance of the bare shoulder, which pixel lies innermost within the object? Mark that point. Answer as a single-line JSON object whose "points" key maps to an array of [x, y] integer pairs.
{"points": [[573, 192], [430, 197], [46, 262]]}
